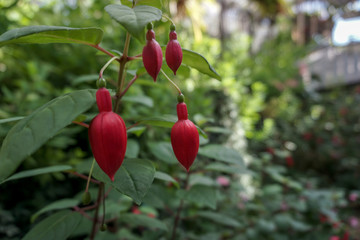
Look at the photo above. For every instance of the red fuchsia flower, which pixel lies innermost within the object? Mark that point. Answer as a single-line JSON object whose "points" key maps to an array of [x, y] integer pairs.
{"points": [[152, 54], [223, 181], [173, 54], [107, 135], [135, 210], [184, 138]]}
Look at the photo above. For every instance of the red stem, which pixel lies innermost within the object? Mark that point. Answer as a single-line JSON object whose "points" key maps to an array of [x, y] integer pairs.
{"points": [[83, 177], [81, 124], [102, 49], [128, 86], [96, 216]]}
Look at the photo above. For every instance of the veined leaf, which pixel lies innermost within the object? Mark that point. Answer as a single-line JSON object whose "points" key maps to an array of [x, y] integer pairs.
{"points": [[197, 61], [13, 119], [38, 171], [221, 153], [57, 205], [58, 226], [134, 19], [33, 131], [52, 34], [133, 178]]}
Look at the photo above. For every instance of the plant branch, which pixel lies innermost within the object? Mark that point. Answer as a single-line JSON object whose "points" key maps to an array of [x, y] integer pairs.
{"points": [[83, 176], [81, 124], [122, 72], [96, 216], [102, 49], [128, 86], [177, 217]]}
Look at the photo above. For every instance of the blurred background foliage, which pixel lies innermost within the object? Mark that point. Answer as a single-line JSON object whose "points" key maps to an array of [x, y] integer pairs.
{"points": [[300, 147]]}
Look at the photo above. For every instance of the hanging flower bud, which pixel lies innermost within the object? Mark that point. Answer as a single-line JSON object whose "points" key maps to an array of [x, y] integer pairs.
{"points": [[107, 134], [152, 54], [173, 54], [184, 138]]}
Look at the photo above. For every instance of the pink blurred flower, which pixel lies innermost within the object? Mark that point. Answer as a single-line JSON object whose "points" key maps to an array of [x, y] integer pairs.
{"points": [[353, 197], [354, 222], [334, 238], [223, 181]]}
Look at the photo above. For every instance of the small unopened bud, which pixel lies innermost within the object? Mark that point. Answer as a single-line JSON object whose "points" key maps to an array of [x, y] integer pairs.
{"points": [[181, 98], [103, 227], [101, 83], [86, 198]]}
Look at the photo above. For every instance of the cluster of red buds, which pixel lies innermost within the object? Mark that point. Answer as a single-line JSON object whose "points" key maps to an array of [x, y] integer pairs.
{"points": [[152, 54], [107, 131]]}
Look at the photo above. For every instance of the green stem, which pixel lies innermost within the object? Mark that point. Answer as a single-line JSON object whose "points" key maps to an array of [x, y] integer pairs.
{"points": [[122, 72], [166, 76], [89, 178], [168, 18], [106, 65]]}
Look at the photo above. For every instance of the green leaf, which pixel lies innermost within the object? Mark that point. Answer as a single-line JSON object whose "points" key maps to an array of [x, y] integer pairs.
{"points": [[147, 101], [199, 179], [166, 121], [153, 3], [133, 178], [220, 167], [219, 218], [166, 177], [163, 151], [132, 149], [57, 205], [200, 195], [13, 119], [138, 220], [134, 19], [38, 171], [33, 131], [58, 226], [221, 153], [52, 34], [197, 61]]}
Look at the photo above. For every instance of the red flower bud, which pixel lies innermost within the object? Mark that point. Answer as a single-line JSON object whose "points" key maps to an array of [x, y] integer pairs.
{"points": [[173, 54], [107, 135], [289, 161], [152, 55], [184, 138]]}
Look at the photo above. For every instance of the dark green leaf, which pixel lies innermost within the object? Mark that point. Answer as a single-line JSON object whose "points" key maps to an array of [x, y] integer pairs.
{"points": [[57, 205], [39, 171], [166, 177], [163, 151], [133, 178], [13, 119], [221, 153], [137, 220], [199, 179], [58, 226], [200, 195], [132, 149], [165, 121], [220, 167], [219, 218], [134, 19], [197, 61], [52, 34], [32, 132], [147, 101]]}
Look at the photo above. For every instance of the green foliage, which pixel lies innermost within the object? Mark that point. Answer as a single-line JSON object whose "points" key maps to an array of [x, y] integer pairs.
{"points": [[52, 34]]}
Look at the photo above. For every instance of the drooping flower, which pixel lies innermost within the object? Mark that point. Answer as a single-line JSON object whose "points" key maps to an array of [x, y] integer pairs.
{"points": [[173, 54], [107, 135], [184, 138], [152, 55]]}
